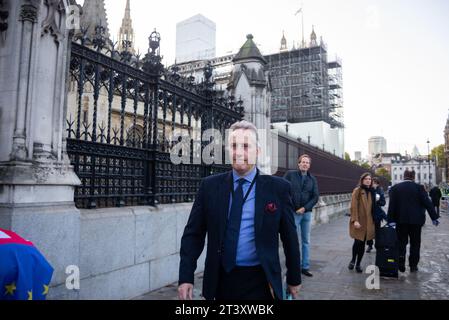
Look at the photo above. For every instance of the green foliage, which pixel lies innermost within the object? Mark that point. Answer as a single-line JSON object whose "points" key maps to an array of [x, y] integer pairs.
{"points": [[366, 166], [347, 157], [382, 172], [438, 154]]}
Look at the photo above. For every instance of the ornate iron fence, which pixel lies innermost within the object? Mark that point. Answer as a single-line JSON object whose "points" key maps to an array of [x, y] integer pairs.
{"points": [[122, 112]]}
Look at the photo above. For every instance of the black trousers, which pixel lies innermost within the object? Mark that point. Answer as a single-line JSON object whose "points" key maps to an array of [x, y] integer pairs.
{"points": [[243, 283], [376, 228], [437, 208], [358, 250], [410, 232]]}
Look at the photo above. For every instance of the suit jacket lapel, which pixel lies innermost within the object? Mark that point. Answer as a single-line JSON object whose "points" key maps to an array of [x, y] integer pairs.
{"points": [[223, 205], [261, 196]]}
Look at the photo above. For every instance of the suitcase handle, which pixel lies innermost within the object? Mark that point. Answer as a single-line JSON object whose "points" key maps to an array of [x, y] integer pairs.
{"points": [[390, 225]]}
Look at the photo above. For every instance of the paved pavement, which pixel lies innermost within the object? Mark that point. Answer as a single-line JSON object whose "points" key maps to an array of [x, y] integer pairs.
{"points": [[331, 253]]}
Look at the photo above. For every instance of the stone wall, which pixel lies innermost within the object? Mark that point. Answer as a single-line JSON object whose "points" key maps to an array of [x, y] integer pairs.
{"points": [[126, 252], [330, 207]]}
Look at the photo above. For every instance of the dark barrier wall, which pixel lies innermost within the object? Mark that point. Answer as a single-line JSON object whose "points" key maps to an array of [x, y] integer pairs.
{"points": [[335, 175]]}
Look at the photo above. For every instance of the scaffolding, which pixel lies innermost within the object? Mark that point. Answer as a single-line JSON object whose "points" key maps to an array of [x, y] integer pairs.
{"points": [[336, 92], [305, 86]]}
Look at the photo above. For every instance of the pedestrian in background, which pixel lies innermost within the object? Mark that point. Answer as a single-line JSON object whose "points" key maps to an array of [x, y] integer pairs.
{"points": [[407, 208], [435, 195], [378, 213], [361, 225], [305, 197]]}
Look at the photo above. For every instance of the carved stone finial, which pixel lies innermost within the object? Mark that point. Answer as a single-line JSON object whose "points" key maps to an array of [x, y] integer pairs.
{"points": [[29, 11], [4, 14], [49, 26]]}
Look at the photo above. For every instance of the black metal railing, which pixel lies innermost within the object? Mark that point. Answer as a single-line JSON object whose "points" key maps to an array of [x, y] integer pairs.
{"points": [[122, 112]]}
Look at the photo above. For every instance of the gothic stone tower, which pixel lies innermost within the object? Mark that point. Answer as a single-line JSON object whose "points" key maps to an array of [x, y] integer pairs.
{"points": [[126, 34], [251, 83], [37, 182], [94, 14]]}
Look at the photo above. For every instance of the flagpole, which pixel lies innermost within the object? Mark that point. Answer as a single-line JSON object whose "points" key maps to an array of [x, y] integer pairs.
{"points": [[302, 45], [302, 19]]}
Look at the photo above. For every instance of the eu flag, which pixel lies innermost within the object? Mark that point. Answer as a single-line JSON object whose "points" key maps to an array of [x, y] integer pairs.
{"points": [[24, 272]]}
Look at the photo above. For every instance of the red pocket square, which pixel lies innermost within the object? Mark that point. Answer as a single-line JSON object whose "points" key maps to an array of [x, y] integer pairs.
{"points": [[271, 208]]}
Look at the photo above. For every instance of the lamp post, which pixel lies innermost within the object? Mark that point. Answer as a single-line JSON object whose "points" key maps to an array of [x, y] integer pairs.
{"points": [[428, 160]]}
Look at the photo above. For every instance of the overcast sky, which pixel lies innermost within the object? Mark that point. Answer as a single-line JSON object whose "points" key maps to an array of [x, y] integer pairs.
{"points": [[395, 54]]}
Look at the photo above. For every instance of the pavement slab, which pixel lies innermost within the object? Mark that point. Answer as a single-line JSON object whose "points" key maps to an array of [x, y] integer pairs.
{"points": [[330, 254]]}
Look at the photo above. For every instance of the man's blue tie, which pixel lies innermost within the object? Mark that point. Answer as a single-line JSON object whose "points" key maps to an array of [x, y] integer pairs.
{"points": [[233, 228]]}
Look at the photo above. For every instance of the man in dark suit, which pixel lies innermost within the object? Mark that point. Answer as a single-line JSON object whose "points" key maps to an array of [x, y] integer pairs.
{"points": [[407, 208], [243, 213]]}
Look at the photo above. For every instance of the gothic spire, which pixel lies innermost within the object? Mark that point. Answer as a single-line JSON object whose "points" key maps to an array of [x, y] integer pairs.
{"points": [[313, 41], [126, 34], [283, 43], [447, 125], [128, 10], [94, 14]]}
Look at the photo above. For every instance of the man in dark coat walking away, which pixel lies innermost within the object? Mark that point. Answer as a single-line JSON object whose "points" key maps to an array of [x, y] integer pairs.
{"points": [[435, 195], [407, 208]]}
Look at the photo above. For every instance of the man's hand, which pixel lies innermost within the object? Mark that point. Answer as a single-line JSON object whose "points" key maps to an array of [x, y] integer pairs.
{"points": [[357, 225], [294, 291], [301, 211], [185, 291], [436, 222]]}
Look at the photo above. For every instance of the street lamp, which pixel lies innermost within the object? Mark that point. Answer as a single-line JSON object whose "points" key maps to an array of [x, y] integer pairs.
{"points": [[428, 160]]}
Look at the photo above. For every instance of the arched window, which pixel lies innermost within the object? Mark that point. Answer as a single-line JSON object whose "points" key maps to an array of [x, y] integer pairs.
{"points": [[85, 112], [134, 136]]}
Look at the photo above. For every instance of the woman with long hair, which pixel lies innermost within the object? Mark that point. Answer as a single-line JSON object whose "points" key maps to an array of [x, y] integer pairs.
{"points": [[361, 225]]}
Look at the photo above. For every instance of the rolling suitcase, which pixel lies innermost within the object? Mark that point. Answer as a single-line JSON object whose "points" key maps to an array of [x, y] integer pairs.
{"points": [[387, 252]]}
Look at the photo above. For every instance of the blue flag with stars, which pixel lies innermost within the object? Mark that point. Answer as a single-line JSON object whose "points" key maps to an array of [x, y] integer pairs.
{"points": [[24, 272]]}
